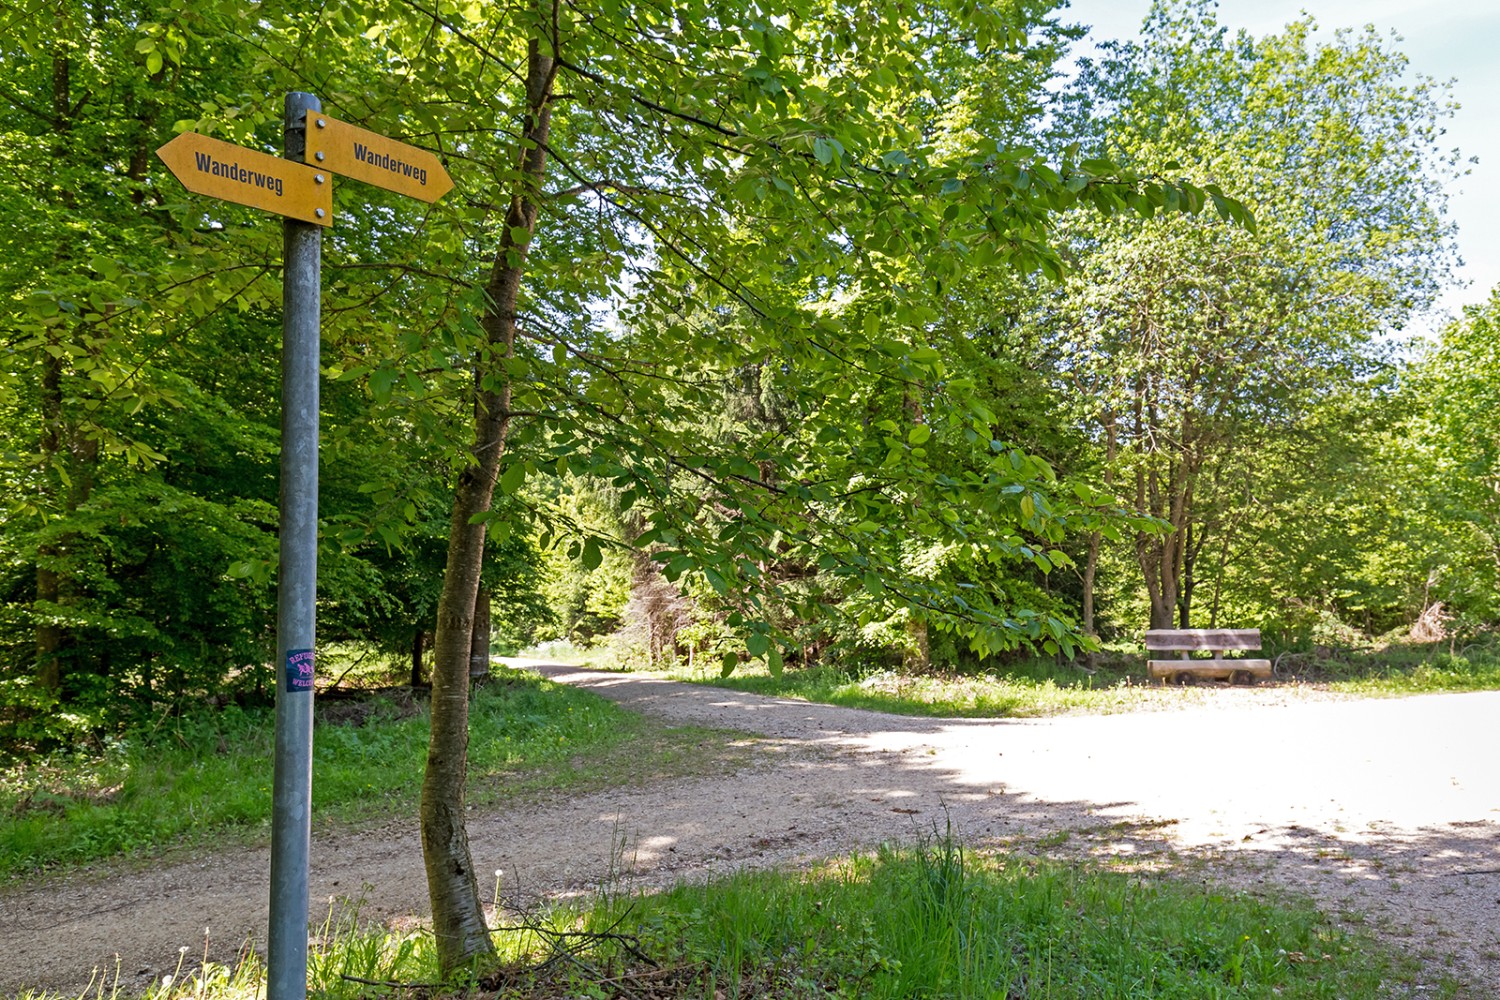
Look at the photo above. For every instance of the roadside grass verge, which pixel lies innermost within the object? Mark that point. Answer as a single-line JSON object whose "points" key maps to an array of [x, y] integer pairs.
{"points": [[1036, 688], [931, 920], [209, 773], [1043, 687], [1401, 672]]}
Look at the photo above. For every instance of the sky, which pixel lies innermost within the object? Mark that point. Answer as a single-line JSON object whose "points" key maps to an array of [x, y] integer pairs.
{"points": [[1443, 39]]}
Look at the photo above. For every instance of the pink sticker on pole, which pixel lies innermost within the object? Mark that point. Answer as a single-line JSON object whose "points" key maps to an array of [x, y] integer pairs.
{"points": [[299, 670]]}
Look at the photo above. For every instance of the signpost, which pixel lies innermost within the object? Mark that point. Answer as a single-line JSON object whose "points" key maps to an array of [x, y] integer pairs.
{"points": [[303, 194]]}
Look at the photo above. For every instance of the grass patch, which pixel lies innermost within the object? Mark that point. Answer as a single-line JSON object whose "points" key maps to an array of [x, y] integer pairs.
{"points": [[1031, 689], [1044, 687], [210, 773], [929, 921], [936, 921], [1408, 671]]}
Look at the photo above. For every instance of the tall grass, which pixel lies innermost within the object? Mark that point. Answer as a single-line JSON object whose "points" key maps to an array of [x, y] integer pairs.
{"points": [[1412, 671], [926, 921], [936, 921], [211, 772]]}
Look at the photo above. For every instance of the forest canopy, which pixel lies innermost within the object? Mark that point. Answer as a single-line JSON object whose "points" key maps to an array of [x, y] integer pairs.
{"points": [[791, 334]]}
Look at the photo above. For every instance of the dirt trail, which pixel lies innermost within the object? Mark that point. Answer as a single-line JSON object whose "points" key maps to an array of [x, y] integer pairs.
{"points": [[1389, 808]]}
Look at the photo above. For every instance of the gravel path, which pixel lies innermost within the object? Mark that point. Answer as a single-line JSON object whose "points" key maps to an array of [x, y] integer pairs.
{"points": [[1388, 808]]}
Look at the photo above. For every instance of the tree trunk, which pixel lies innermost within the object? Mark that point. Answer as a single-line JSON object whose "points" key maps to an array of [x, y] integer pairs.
{"points": [[67, 456], [1096, 539], [458, 923], [418, 644], [479, 645], [49, 637], [1090, 573], [1185, 590]]}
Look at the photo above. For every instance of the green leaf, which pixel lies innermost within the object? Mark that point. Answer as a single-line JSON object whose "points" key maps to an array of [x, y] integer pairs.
{"points": [[592, 556], [382, 381], [513, 478]]}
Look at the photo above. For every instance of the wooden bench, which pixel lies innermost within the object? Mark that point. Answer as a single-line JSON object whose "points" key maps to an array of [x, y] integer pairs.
{"points": [[1217, 641]]}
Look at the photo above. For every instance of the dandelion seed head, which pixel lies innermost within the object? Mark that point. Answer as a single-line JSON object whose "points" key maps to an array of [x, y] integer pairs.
{"points": [[183, 950]]}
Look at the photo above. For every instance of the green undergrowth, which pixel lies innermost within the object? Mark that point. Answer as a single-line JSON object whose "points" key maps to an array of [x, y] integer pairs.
{"points": [[1411, 672], [928, 921], [1044, 687], [210, 772], [1033, 689]]}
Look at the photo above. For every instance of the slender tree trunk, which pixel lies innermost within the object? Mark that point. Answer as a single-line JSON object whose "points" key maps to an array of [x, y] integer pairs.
{"points": [[458, 923], [1096, 539], [57, 440], [1185, 590], [49, 637], [418, 645], [479, 644], [1090, 572]]}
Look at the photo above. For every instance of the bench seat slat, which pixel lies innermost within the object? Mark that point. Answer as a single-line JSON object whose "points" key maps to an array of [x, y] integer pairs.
{"points": [[1220, 669], [1203, 638]]}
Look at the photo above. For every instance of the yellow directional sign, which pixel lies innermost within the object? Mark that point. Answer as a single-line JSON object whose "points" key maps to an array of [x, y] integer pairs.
{"points": [[370, 157], [246, 177]]}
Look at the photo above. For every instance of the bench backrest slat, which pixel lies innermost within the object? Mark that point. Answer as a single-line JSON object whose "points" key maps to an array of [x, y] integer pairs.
{"points": [[1203, 638]]}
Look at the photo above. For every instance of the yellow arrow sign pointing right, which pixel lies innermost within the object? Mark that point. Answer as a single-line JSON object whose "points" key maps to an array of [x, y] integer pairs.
{"points": [[368, 156]]}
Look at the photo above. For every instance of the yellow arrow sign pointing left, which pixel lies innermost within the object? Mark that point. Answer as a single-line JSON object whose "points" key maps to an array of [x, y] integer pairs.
{"points": [[247, 177]]}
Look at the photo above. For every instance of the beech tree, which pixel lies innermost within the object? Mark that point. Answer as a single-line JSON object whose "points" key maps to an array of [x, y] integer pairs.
{"points": [[1190, 342], [1452, 395], [650, 201], [727, 177]]}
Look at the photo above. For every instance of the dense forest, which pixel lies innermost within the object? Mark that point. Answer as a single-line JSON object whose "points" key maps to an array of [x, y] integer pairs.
{"points": [[816, 334]]}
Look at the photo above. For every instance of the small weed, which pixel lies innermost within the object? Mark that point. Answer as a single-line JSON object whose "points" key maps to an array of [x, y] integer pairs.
{"points": [[1057, 838]]}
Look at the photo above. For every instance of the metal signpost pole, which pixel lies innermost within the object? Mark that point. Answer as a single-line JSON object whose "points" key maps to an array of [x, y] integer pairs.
{"points": [[297, 186], [291, 797]]}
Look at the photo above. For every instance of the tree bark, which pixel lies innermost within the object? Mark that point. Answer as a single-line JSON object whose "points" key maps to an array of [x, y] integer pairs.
{"points": [[459, 928], [61, 445], [479, 645], [49, 637], [1096, 539], [418, 644]]}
